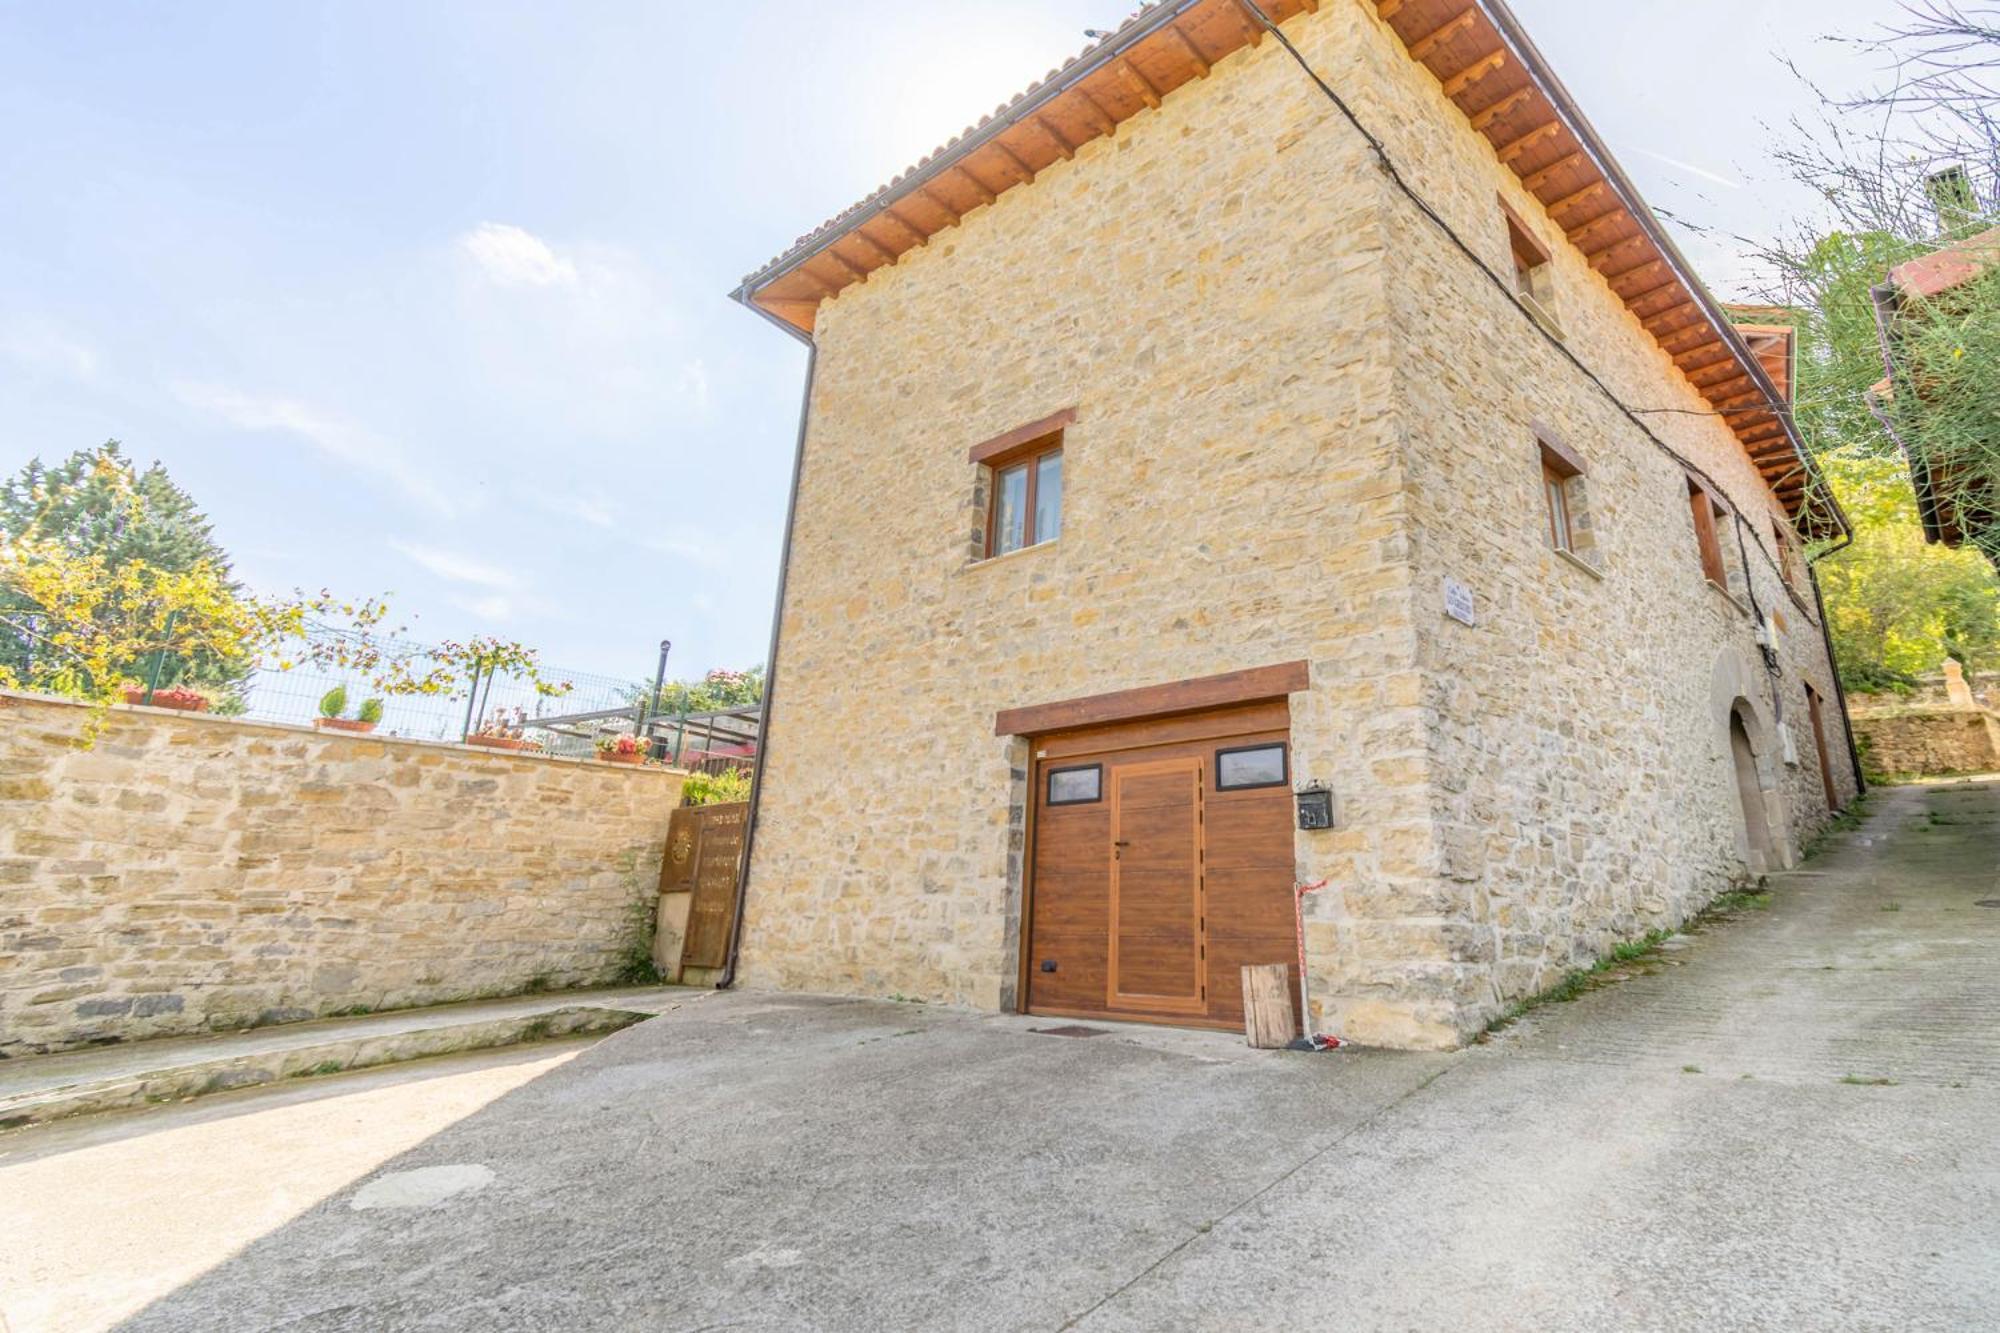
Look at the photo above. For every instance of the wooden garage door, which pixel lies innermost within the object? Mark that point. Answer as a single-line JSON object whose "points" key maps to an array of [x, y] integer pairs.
{"points": [[1162, 864]]}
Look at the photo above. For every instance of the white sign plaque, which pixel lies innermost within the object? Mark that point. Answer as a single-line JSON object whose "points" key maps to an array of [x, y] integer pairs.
{"points": [[1458, 602]]}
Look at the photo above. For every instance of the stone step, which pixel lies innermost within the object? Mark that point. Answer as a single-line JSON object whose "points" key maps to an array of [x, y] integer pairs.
{"points": [[48, 1087]]}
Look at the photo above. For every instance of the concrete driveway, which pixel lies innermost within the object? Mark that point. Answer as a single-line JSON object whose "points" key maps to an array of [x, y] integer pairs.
{"points": [[1787, 1121]]}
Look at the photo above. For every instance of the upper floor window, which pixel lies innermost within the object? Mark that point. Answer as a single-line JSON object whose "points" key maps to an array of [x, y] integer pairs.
{"points": [[1534, 267], [1562, 471], [1023, 471], [1565, 500], [1707, 509], [1027, 503]]}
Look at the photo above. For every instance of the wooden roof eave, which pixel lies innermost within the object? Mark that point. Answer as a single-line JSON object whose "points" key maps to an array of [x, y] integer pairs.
{"points": [[1570, 168], [1086, 99]]}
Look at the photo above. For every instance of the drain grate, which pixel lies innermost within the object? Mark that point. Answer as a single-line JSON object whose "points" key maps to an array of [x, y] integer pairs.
{"points": [[1988, 902], [1072, 1030]]}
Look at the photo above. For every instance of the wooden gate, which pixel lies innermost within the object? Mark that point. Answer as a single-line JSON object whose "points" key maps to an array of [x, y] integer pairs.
{"points": [[705, 858]]}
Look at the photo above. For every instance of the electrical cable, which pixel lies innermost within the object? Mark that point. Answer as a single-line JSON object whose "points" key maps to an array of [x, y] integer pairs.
{"points": [[1389, 168]]}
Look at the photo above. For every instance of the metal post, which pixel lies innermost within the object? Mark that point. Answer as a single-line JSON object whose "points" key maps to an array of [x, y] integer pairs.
{"points": [[652, 706], [160, 657], [680, 731], [471, 697], [487, 697]]}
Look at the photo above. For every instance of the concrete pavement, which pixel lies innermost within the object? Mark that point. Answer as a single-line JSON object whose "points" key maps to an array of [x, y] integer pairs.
{"points": [[1784, 1121]]}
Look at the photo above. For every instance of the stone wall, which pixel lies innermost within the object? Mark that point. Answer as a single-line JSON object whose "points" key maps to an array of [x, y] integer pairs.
{"points": [[1207, 289], [1929, 742], [186, 873], [1299, 412], [1579, 732]]}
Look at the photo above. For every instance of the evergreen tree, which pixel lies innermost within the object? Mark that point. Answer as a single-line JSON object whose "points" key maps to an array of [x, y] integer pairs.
{"points": [[96, 503]]}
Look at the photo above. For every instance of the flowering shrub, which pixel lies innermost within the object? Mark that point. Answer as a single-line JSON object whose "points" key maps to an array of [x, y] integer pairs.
{"points": [[622, 745]]}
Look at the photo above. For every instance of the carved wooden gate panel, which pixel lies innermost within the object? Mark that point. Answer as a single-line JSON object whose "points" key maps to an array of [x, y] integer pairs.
{"points": [[705, 856]]}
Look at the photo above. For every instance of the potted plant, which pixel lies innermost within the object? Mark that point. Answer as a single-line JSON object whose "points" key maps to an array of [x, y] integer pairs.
{"points": [[623, 749], [503, 731], [333, 712], [182, 697]]}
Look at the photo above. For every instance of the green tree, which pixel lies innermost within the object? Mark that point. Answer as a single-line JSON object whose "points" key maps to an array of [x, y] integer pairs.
{"points": [[1896, 606], [96, 506]]}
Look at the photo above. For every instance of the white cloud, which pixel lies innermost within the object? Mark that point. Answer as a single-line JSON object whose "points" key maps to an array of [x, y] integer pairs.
{"points": [[41, 349], [1692, 169], [514, 257], [456, 568], [355, 446], [493, 607], [581, 508]]}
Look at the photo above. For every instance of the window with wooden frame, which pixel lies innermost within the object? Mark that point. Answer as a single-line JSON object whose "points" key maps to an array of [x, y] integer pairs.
{"points": [[1788, 555], [1562, 487], [1707, 509], [1023, 471], [1534, 268]]}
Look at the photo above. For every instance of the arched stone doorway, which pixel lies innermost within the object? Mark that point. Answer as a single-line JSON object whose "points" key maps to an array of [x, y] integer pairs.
{"points": [[1762, 848]]}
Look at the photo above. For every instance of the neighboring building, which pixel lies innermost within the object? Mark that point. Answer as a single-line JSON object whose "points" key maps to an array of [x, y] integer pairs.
{"points": [[1306, 494], [1954, 482]]}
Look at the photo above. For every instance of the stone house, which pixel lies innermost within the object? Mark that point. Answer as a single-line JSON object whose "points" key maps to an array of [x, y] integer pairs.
{"points": [[1246, 413]]}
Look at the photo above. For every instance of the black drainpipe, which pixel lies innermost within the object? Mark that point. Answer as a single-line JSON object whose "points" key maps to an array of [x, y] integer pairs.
{"points": [[1833, 667], [728, 977]]}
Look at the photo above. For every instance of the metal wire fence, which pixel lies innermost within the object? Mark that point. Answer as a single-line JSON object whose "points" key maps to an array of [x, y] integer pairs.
{"points": [[275, 695], [509, 711]]}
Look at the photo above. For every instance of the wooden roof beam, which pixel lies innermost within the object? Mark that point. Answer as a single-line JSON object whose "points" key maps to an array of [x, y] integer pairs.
{"points": [[1602, 253], [985, 191], [1572, 200], [888, 256], [1506, 106], [1137, 82], [1098, 115], [1421, 49], [922, 237], [1528, 142], [852, 269], [1710, 364], [1671, 312], [937, 201], [1580, 231], [825, 288], [1018, 162], [1253, 31], [1714, 344], [1455, 86], [1201, 62], [1551, 171], [1063, 146], [1636, 269], [1388, 9]]}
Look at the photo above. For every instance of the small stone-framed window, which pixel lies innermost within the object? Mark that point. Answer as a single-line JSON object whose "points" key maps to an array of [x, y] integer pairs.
{"points": [[1021, 486], [1534, 269], [1721, 564], [1565, 505], [1789, 559]]}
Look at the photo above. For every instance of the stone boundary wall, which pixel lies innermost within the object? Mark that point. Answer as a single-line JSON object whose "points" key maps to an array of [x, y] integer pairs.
{"points": [[1929, 742], [187, 873]]}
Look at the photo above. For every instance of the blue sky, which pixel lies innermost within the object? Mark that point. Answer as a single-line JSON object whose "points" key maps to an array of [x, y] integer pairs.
{"points": [[431, 297]]}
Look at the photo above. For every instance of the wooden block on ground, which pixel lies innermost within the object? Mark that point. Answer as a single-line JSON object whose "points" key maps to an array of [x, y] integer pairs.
{"points": [[1267, 1006]]}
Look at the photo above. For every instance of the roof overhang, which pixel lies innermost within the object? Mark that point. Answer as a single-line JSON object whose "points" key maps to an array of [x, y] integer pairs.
{"points": [[1486, 66]]}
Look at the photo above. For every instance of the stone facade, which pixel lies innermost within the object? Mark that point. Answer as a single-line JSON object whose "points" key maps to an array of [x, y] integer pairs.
{"points": [[1299, 412], [185, 873]]}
